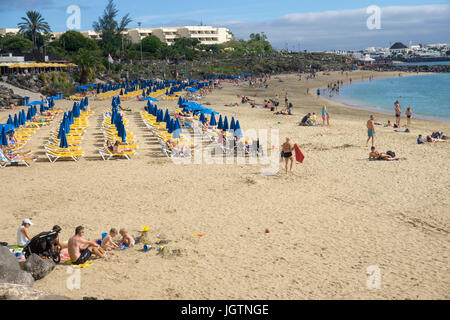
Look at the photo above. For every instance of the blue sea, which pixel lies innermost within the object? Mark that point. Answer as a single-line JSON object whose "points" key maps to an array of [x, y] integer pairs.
{"points": [[433, 63], [427, 95]]}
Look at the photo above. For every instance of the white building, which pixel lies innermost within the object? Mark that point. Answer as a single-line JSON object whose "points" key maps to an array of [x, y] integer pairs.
{"points": [[205, 34], [12, 31]]}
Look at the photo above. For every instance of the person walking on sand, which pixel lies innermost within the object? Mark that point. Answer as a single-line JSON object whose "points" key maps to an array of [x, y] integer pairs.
{"points": [[288, 153], [324, 114], [371, 131], [80, 250], [398, 113], [408, 116], [286, 100]]}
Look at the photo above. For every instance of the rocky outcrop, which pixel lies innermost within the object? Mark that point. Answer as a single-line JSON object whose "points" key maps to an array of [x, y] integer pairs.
{"points": [[38, 267], [9, 291], [10, 271], [26, 82], [7, 97]]}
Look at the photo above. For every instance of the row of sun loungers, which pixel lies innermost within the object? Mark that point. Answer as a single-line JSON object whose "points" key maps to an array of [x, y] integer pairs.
{"points": [[23, 136], [53, 150], [126, 150]]}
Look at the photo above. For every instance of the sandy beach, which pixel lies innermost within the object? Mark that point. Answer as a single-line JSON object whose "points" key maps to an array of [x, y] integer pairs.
{"points": [[335, 216]]}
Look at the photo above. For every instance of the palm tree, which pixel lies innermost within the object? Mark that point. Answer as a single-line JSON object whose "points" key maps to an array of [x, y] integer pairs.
{"points": [[87, 62], [34, 22]]}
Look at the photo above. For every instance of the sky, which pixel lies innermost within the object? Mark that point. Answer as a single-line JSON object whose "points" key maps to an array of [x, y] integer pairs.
{"points": [[294, 24]]}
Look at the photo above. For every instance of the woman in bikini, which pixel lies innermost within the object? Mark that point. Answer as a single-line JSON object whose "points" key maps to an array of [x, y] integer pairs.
{"points": [[398, 113]]}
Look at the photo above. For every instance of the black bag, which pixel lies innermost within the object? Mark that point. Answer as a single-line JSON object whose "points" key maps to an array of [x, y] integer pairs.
{"points": [[391, 154]]}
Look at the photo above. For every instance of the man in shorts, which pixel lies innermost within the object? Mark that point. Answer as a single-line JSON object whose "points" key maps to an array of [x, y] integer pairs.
{"points": [[371, 131], [80, 250]]}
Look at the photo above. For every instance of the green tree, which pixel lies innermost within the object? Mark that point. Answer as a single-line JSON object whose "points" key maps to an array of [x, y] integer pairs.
{"points": [[87, 62], [110, 29], [74, 40], [151, 44], [16, 43], [35, 23]]}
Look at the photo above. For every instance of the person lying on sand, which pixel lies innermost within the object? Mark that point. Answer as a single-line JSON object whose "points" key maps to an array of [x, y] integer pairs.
{"points": [[375, 155], [432, 140], [231, 105], [287, 111], [80, 250], [126, 240], [107, 243]]}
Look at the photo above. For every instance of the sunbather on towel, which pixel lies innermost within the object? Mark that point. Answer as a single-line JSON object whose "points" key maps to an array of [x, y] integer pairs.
{"points": [[80, 250], [430, 139], [126, 240], [375, 155], [107, 243]]}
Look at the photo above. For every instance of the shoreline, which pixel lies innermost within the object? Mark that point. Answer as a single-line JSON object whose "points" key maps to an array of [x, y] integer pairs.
{"points": [[375, 111]]}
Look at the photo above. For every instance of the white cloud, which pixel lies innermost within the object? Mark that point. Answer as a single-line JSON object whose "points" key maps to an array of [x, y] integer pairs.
{"points": [[347, 29]]}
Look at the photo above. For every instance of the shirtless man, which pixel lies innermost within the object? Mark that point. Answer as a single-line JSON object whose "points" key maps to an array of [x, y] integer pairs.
{"points": [[288, 149], [371, 131], [80, 250]]}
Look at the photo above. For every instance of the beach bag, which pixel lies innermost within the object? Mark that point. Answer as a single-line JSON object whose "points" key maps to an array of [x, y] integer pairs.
{"points": [[391, 154]]}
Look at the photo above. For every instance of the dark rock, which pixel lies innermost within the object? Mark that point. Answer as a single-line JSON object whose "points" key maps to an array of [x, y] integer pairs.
{"points": [[8, 260], [38, 267], [16, 277]]}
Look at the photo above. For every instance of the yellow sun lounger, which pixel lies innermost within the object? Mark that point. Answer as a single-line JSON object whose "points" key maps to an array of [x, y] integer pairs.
{"points": [[55, 155]]}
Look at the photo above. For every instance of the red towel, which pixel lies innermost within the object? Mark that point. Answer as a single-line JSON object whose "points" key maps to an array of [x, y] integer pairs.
{"points": [[298, 154]]}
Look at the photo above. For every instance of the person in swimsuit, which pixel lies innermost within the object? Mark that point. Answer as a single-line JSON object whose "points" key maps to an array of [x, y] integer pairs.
{"points": [[80, 250], [408, 115], [375, 155], [398, 113], [288, 149], [126, 240], [324, 114], [371, 131]]}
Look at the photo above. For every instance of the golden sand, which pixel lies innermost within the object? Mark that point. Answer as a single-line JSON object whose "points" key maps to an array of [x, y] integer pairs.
{"points": [[335, 216]]}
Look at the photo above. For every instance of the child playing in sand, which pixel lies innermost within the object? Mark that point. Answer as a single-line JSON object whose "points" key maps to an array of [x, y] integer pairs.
{"points": [[127, 240], [107, 243]]}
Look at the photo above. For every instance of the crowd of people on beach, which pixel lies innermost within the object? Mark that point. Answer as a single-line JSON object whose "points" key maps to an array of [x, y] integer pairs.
{"points": [[78, 249]]}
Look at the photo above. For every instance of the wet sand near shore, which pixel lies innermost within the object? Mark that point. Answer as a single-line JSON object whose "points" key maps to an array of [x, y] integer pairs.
{"points": [[331, 219]]}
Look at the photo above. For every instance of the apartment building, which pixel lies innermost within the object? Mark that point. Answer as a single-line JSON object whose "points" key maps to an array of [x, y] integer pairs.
{"points": [[205, 34]]}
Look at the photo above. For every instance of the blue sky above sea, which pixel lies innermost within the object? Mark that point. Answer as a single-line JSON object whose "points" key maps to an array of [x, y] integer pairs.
{"points": [[298, 25]]}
